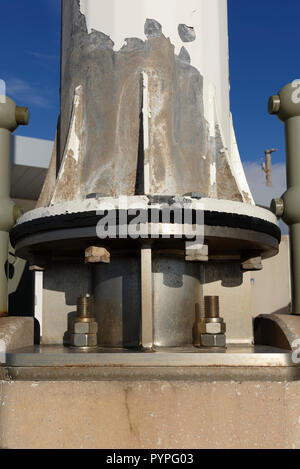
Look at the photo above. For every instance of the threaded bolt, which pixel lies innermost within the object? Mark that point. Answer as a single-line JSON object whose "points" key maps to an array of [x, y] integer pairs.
{"points": [[212, 308], [85, 306]]}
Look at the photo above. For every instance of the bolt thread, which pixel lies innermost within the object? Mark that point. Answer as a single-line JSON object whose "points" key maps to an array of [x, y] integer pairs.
{"points": [[212, 309], [85, 306]]}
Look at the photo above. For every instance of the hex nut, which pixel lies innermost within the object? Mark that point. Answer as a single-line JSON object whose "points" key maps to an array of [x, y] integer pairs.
{"points": [[80, 327], [215, 328], [213, 340], [210, 327], [84, 340]]}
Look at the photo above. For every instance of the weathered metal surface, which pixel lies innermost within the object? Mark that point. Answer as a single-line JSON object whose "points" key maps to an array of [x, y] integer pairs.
{"points": [[63, 283], [146, 297], [277, 330], [226, 185], [117, 291], [209, 374], [68, 185], [140, 119], [142, 128], [71, 227], [146, 308], [176, 290], [102, 204], [233, 356]]}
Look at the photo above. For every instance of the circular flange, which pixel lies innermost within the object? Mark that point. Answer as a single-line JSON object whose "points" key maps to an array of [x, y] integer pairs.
{"points": [[228, 227]]}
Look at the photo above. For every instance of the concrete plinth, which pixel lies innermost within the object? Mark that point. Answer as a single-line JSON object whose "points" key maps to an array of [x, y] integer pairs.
{"points": [[149, 414]]}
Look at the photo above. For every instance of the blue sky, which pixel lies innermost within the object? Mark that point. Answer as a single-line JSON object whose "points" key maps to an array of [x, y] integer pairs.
{"points": [[264, 55], [30, 49]]}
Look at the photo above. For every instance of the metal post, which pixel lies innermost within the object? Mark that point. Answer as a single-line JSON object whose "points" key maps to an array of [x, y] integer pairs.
{"points": [[147, 306], [10, 117], [267, 166], [286, 105]]}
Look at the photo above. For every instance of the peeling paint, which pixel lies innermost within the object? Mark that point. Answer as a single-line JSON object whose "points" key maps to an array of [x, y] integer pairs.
{"points": [[152, 28], [186, 33], [68, 181], [143, 202], [184, 55], [102, 152]]}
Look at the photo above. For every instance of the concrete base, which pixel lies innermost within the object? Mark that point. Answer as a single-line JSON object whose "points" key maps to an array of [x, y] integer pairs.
{"points": [[15, 333], [214, 407], [157, 414]]}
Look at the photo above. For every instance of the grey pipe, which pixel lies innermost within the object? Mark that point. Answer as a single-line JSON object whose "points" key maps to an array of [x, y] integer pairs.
{"points": [[10, 117], [286, 105]]}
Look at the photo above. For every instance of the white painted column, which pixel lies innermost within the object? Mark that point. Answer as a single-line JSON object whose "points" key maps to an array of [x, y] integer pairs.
{"points": [[209, 51], [122, 19]]}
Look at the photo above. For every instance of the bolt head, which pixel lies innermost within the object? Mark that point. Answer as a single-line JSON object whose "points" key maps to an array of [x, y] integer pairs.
{"points": [[213, 340]]}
